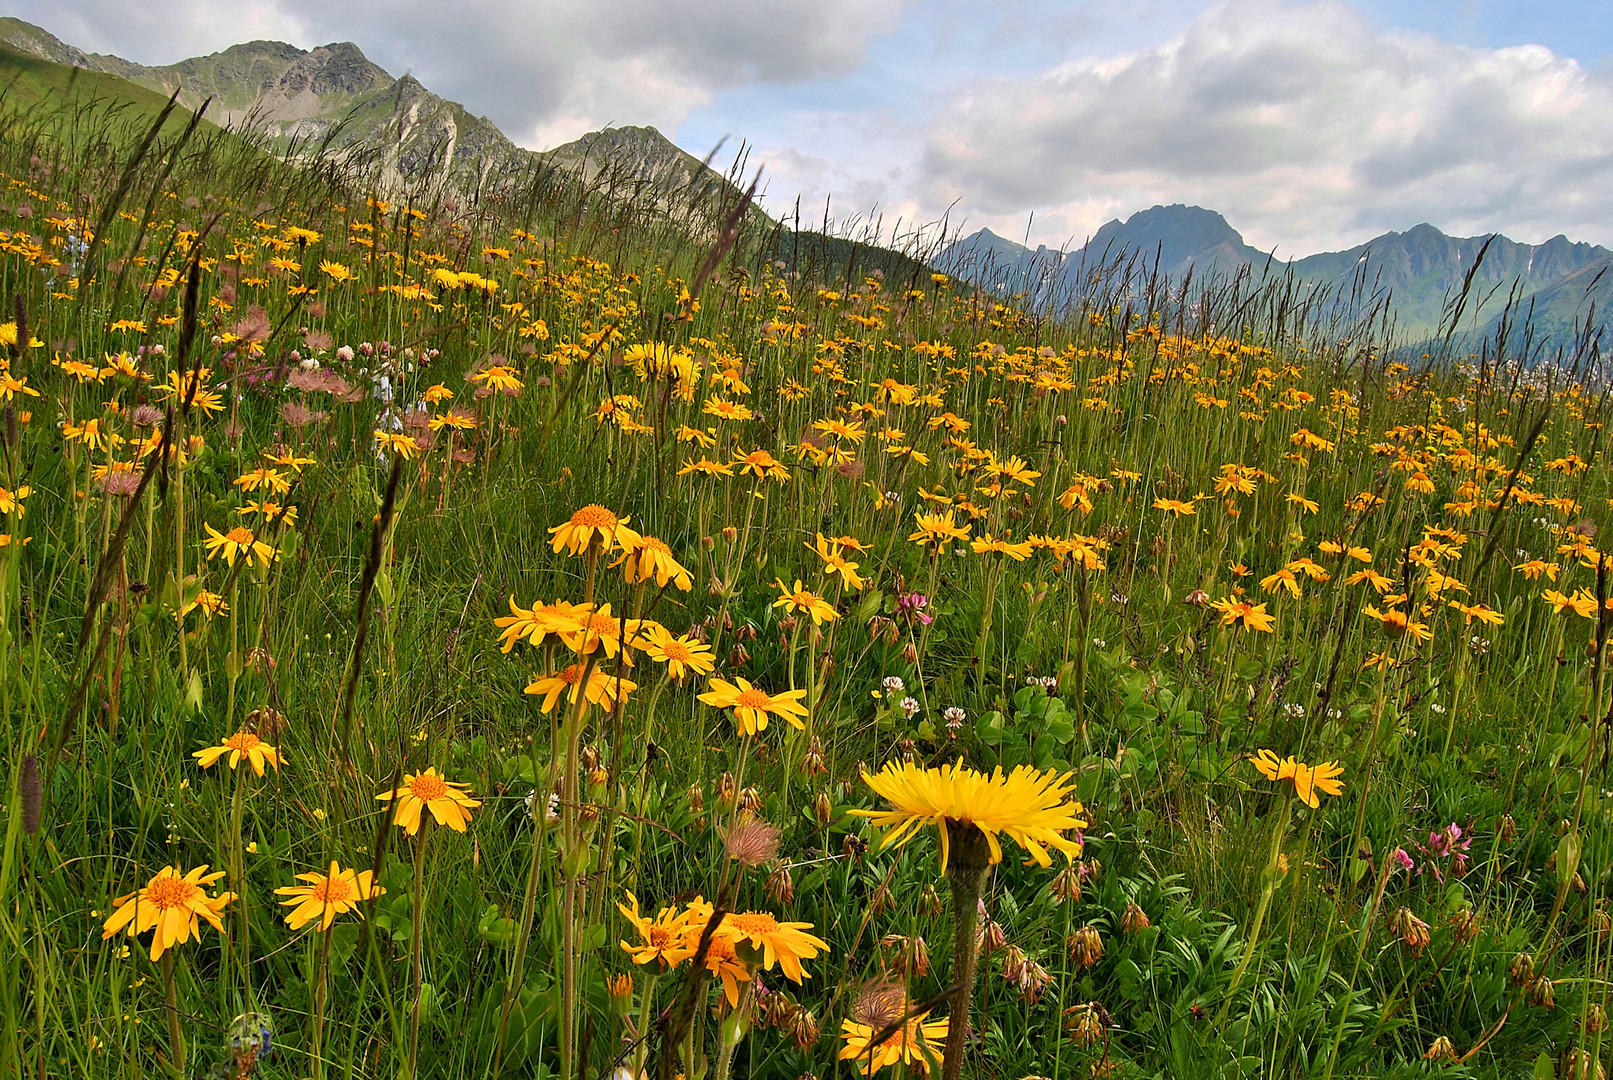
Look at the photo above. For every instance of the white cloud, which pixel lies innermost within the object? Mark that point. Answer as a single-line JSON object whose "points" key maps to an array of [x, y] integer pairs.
{"points": [[1305, 124], [543, 71]]}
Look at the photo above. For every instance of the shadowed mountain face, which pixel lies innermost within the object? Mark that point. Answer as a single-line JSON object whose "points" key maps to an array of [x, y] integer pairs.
{"points": [[301, 99], [1419, 269]]}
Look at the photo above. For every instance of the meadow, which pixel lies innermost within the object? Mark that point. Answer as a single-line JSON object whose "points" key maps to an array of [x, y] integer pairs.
{"points": [[516, 637]]}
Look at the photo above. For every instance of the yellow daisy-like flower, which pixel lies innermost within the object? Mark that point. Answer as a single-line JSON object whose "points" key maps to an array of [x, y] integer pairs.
{"points": [[783, 944], [647, 557], [799, 600], [603, 690], [1308, 779], [753, 705], [538, 622], [1032, 808], [171, 905], [449, 803], [238, 541], [243, 744], [590, 526], [905, 1047], [936, 530], [681, 655], [328, 895], [665, 938]]}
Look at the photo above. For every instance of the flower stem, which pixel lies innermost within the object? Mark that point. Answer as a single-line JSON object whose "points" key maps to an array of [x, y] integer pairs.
{"points": [[176, 1039], [415, 951], [970, 859]]}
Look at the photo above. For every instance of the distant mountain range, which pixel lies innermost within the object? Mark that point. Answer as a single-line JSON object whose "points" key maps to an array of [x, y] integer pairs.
{"points": [[335, 99], [301, 99], [1419, 269]]}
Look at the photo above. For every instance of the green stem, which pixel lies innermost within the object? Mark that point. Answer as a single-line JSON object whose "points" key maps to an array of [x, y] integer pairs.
{"points": [[970, 858]]}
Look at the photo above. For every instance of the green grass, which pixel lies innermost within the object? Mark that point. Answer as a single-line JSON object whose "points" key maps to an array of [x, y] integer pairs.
{"points": [[1243, 932]]}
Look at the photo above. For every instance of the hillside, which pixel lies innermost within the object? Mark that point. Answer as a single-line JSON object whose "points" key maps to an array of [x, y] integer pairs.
{"points": [[333, 96]]}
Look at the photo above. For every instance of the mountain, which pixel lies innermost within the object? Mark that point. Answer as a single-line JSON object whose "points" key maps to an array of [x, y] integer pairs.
{"points": [[1419, 269], [1422, 267], [333, 97]]}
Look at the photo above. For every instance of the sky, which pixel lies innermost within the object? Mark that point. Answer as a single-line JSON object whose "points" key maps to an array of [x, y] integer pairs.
{"points": [[1310, 124]]}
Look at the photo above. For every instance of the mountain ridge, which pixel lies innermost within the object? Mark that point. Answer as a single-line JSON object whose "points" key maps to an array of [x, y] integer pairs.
{"points": [[1420, 268]]}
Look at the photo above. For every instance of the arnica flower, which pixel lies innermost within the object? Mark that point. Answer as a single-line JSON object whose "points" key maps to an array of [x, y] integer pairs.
{"points": [[539, 621], [802, 601], [752, 705], [670, 938], [238, 541], [681, 655], [589, 527], [873, 1013], [603, 690], [1308, 780], [784, 944], [241, 744], [1030, 807], [936, 530], [449, 803], [647, 557], [328, 895], [171, 905], [1399, 624], [1242, 613]]}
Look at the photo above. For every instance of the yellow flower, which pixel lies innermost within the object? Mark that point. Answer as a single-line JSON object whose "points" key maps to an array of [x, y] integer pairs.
{"points": [[937, 529], [337, 272], [988, 544], [1308, 779], [1251, 616], [172, 906], [762, 465], [397, 443], [449, 803], [666, 937], [539, 621], [752, 705], [834, 562], [241, 744], [681, 655], [646, 557], [798, 600], [1582, 603], [906, 1046], [603, 690], [1399, 624], [328, 895], [784, 944], [592, 525], [1030, 807], [1175, 506], [238, 541]]}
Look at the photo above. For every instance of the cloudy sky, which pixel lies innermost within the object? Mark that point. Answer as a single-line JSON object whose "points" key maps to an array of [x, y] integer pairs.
{"points": [[1310, 125]]}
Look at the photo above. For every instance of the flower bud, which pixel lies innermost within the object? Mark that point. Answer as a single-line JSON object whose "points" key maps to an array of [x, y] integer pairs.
{"points": [[1134, 919], [697, 799], [1521, 972], [1086, 1024], [1542, 995], [621, 992], [813, 763], [730, 534], [781, 885], [1411, 930], [1085, 947], [1465, 925], [822, 809], [1067, 885], [930, 901], [1441, 1049], [1594, 1021]]}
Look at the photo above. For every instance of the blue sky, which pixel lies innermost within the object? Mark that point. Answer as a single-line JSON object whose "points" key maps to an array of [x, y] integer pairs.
{"points": [[1311, 124]]}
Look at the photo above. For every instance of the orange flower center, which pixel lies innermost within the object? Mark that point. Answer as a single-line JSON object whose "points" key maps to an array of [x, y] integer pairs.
{"points": [[332, 891], [651, 543], [602, 624], [677, 650], [659, 937], [594, 517], [753, 699], [427, 787], [754, 922], [239, 535], [170, 892], [242, 741]]}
